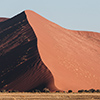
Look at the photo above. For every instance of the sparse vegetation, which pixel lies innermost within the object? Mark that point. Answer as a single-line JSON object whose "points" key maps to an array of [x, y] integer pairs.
{"points": [[46, 90], [9, 91], [89, 91]]}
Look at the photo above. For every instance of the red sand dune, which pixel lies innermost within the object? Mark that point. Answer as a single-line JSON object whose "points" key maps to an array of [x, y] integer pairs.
{"points": [[37, 53], [73, 57]]}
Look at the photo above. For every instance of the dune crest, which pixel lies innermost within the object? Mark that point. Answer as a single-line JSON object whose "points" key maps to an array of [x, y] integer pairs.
{"points": [[73, 57]]}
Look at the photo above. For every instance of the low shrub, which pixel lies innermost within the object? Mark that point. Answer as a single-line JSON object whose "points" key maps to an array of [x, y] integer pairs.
{"points": [[36, 90], [80, 91], [10, 91], [98, 91], [46, 90], [86, 91], [92, 90], [3, 91], [69, 91], [57, 91]]}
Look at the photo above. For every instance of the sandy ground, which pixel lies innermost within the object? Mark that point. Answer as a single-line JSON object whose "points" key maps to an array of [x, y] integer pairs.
{"points": [[49, 96]]}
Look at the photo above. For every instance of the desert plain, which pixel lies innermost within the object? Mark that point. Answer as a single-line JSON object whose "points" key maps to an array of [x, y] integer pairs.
{"points": [[49, 96]]}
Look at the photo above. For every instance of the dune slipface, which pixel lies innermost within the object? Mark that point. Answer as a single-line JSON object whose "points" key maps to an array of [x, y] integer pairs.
{"points": [[37, 53]]}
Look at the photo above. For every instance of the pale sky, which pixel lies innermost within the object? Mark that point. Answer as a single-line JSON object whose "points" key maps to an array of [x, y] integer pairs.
{"points": [[70, 14]]}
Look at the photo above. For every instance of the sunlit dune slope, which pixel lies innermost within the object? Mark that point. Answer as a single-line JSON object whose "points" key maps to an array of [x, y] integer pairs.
{"points": [[73, 57]]}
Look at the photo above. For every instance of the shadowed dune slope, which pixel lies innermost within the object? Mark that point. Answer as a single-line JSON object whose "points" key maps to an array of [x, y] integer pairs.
{"points": [[73, 57], [21, 67]]}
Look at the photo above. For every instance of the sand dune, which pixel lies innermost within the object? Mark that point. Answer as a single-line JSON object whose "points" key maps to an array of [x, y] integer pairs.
{"points": [[37, 53], [73, 57]]}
